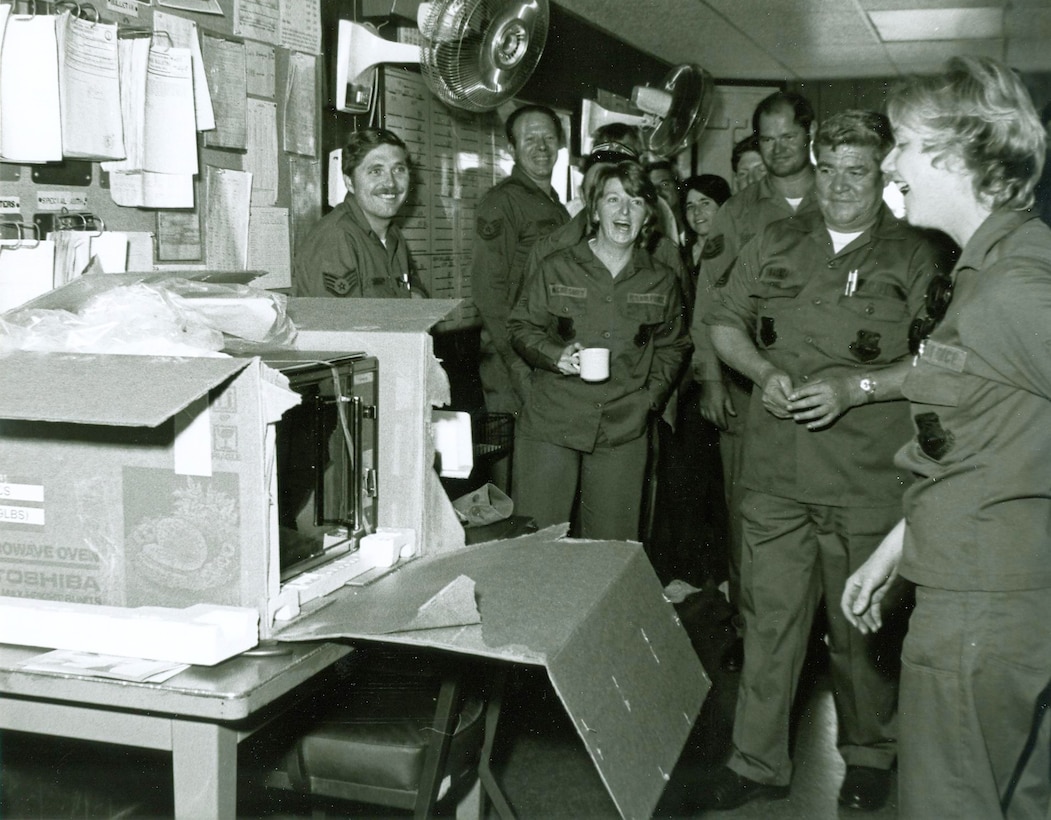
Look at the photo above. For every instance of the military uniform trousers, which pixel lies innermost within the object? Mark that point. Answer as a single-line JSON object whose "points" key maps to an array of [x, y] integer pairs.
{"points": [[610, 480], [973, 665], [794, 552]]}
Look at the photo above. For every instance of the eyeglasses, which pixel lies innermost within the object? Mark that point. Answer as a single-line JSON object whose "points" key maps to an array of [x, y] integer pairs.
{"points": [[935, 305]]}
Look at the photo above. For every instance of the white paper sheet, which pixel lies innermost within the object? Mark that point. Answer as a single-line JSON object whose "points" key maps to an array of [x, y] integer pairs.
{"points": [[29, 97], [169, 133], [269, 247], [89, 85], [25, 272], [226, 210], [261, 159]]}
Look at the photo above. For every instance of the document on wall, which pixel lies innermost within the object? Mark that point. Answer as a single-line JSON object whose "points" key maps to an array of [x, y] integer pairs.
{"points": [[89, 89], [227, 200], [76, 250], [144, 189], [183, 34], [261, 159], [169, 132], [178, 236], [29, 96], [130, 185], [133, 58], [300, 105], [300, 25], [27, 270], [269, 247], [5, 12], [224, 61], [257, 20], [261, 69]]}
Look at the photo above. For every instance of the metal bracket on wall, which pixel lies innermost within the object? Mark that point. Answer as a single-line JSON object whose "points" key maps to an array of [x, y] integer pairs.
{"points": [[75, 172]]}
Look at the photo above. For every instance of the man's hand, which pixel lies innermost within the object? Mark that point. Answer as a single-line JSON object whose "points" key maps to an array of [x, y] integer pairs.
{"points": [[776, 389], [822, 401], [866, 588], [716, 405]]}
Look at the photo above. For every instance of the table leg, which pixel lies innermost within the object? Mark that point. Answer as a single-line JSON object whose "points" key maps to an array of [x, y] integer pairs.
{"points": [[204, 763]]}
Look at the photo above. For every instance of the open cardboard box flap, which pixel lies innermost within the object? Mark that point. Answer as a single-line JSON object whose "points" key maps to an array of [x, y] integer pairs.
{"points": [[592, 612], [89, 388]]}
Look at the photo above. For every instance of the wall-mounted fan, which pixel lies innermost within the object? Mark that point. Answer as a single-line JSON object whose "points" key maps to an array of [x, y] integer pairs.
{"points": [[475, 54], [671, 116]]}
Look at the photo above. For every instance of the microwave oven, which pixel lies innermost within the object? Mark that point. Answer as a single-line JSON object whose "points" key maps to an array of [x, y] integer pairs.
{"points": [[326, 449]]}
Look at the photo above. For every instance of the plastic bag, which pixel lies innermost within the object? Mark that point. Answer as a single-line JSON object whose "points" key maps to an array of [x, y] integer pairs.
{"points": [[169, 317]]}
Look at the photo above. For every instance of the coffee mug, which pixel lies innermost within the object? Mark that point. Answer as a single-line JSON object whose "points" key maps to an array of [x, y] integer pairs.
{"points": [[594, 364]]}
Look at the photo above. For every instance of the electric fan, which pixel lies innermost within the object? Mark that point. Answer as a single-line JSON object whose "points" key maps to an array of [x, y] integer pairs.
{"points": [[475, 53], [671, 116]]}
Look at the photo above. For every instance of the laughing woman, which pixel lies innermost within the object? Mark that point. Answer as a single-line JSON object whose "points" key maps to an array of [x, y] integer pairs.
{"points": [[589, 437], [976, 538]]}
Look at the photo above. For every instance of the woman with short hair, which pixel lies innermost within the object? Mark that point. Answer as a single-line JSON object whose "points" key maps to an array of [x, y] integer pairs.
{"points": [[976, 538]]}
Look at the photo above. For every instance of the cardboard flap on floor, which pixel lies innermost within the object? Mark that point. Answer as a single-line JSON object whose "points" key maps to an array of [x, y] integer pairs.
{"points": [[592, 612], [87, 388]]}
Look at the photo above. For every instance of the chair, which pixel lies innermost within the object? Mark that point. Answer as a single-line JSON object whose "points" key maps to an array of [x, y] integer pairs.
{"points": [[408, 731]]}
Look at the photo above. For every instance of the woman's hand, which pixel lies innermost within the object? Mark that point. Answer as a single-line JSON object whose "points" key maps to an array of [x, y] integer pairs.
{"points": [[568, 363], [867, 587]]}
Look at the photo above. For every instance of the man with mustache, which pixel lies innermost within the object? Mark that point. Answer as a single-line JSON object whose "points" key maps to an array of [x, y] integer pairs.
{"points": [[356, 250]]}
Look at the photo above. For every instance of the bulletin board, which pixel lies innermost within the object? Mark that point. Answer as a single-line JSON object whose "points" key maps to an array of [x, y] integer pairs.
{"points": [[263, 62]]}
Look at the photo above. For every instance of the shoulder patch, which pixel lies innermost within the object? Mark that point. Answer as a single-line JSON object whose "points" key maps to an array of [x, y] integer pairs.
{"points": [[648, 299], [566, 290], [338, 284], [713, 247], [490, 228]]}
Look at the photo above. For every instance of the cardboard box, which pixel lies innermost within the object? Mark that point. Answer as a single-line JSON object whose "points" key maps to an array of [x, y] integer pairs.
{"points": [[136, 480], [591, 612], [130, 480]]}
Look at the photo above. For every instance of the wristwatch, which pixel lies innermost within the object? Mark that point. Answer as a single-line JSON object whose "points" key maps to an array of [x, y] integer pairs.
{"points": [[868, 387]]}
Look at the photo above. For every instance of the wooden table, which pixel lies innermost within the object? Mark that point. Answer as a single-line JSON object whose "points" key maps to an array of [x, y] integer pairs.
{"points": [[199, 715]]}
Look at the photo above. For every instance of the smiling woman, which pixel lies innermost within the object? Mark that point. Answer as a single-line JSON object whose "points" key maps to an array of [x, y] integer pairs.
{"points": [[607, 291], [975, 662]]}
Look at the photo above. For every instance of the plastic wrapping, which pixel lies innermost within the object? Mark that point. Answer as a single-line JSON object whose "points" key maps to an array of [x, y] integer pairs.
{"points": [[172, 317]]}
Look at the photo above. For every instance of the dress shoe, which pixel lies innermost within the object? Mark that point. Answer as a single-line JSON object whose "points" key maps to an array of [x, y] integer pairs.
{"points": [[726, 789], [864, 788], [733, 656]]}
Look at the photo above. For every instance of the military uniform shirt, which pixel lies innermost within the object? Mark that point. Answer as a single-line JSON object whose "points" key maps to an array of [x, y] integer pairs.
{"points": [[787, 291], [571, 297], [742, 216], [979, 515], [510, 218], [343, 256]]}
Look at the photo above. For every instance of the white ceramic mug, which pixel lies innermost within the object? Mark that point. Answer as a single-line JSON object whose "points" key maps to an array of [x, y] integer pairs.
{"points": [[594, 364]]}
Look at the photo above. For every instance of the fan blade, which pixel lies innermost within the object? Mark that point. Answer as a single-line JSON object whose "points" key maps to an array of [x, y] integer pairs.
{"points": [[496, 47]]}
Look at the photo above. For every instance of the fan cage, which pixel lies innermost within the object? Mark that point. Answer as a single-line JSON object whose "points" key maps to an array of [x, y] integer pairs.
{"points": [[476, 54]]}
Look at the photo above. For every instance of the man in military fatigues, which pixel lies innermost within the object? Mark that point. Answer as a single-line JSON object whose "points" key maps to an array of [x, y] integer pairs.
{"points": [[783, 124], [816, 311], [356, 250], [511, 217]]}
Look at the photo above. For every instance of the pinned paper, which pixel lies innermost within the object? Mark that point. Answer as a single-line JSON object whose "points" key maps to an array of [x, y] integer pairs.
{"points": [[30, 110]]}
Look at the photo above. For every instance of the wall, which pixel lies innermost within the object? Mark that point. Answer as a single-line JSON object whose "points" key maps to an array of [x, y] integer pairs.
{"points": [[30, 183]]}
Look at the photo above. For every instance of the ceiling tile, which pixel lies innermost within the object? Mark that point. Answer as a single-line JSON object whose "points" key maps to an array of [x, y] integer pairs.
{"points": [[813, 39]]}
